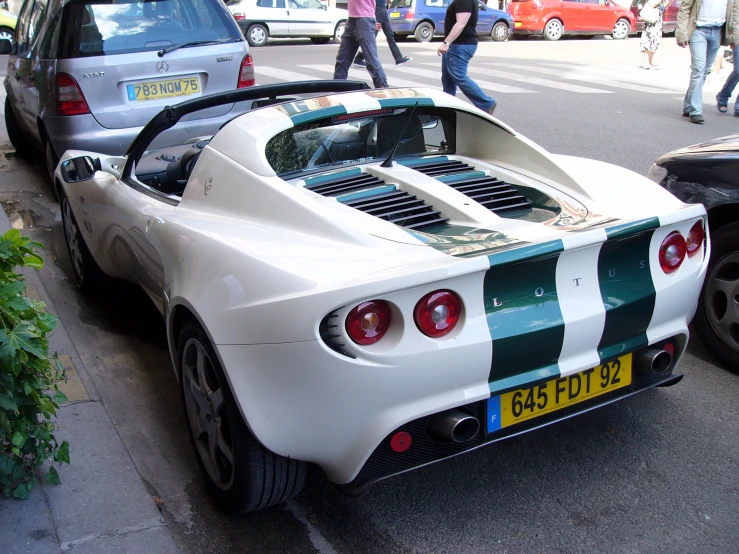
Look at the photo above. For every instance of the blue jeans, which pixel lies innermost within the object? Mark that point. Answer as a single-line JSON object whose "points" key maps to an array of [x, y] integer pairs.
{"points": [[704, 43], [360, 31], [382, 18], [731, 81], [454, 74]]}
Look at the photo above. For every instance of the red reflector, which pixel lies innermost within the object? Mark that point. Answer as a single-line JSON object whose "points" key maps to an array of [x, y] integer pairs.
{"points": [[695, 238], [69, 97], [669, 348], [672, 252], [437, 313], [359, 115], [368, 322], [401, 441], [246, 73]]}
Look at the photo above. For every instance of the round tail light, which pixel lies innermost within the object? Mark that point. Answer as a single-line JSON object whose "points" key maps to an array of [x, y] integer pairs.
{"points": [[368, 322], [672, 252], [695, 238], [437, 313]]}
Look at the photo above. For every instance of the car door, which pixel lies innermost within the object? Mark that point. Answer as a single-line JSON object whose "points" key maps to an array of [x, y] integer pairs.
{"points": [[484, 20], [574, 15], [602, 15], [19, 65], [308, 18], [274, 14]]}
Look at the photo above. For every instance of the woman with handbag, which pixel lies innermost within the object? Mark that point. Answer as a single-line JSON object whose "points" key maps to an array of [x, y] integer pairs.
{"points": [[651, 36]]}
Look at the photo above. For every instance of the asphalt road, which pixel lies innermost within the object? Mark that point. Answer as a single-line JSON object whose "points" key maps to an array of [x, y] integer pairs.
{"points": [[656, 473]]}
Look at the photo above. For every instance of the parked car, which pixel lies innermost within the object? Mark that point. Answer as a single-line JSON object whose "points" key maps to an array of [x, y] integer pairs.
{"points": [[553, 19], [261, 19], [669, 18], [424, 19], [375, 280], [89, 75], [707, 174], [7, 23]]}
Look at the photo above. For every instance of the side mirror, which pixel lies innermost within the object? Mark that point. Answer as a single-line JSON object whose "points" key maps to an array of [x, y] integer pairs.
{"points": [[483, 7], [79, 169], [6, 47]]}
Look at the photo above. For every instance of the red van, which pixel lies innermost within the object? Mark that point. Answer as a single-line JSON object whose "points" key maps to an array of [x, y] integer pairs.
{"points": [[555, 18]]}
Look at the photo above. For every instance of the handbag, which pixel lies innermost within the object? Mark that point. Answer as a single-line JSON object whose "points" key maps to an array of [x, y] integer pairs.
{"points": [[649, 13]]}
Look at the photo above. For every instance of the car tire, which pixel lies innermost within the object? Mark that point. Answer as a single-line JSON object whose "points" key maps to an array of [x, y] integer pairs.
{"points": [[621, 30], [320, 40], [7, 33], [554, 29], [339, 31], [90, 277], [19, 141], [424, 32], [257, 35], [714, 305], [253, 478], [500, 32]]}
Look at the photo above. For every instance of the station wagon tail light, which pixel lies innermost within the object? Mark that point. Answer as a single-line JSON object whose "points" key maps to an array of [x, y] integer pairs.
{"points": [[239, 16], [672, 252], [367, 323], [695, 238], [437, 313], [246, 73], [69, 97]]}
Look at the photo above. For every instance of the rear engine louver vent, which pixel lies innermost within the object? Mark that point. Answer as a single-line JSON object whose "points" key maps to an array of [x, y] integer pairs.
{"points": [[373, 196], [496, 195]]}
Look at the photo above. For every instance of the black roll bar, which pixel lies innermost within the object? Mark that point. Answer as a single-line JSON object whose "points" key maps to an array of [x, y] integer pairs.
{"points": [[169, 116]]}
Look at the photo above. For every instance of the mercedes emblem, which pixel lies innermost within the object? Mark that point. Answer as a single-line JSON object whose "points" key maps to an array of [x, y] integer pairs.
{"points": [[162, 67]]}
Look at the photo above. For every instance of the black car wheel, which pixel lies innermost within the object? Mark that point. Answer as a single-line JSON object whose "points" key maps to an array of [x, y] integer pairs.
{"points": [[88, 273], [240, 473], [22, 147], [500, 31], [257, 35], [424, 32], [717, 318]]}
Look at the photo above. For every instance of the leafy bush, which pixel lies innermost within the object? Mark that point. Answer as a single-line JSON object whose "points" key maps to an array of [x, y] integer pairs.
{"points": [[28, 377]]}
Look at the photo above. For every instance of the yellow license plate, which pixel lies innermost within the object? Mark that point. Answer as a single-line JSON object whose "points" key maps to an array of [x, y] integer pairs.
{"points": [[170, 88], [522, 405], [394, 15], [517, 23]]}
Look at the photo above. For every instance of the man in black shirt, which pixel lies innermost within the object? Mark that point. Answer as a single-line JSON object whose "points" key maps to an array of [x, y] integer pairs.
{"points": [[460, 44]]}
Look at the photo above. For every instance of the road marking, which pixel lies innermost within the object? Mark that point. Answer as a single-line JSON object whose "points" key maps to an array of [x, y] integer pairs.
{"points": [[538, 81], [282, 74], [436, 75], [579, 75]]}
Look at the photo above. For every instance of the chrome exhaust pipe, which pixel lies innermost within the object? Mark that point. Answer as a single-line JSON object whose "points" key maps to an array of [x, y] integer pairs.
{"points": [[453, 425], [652, 360]]}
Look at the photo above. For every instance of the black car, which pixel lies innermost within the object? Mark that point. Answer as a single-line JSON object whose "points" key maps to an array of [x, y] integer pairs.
{"points": [[708, 173]]}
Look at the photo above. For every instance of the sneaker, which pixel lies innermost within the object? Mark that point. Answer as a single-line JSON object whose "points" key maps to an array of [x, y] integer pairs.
{"points": [[360, 63], [697, 118], [686, 114], [723, 108], [404, 59]]}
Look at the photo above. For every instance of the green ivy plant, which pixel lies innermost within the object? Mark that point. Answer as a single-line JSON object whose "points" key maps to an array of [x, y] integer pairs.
{"points": [[29, 395]]}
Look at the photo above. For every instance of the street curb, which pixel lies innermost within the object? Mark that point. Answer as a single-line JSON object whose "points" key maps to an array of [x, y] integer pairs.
{"points": [[120, 504]]}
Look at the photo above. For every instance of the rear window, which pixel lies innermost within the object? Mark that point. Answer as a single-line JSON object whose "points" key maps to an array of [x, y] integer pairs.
{"points": [[402, 4], [345, 140], [105, 28]]}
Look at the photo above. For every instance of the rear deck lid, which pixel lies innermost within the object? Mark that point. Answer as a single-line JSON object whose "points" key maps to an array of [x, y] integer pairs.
{"points": [[113, 52]]}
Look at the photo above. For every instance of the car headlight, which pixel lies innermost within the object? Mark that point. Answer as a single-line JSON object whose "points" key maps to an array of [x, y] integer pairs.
{"points": [[657, 173]]}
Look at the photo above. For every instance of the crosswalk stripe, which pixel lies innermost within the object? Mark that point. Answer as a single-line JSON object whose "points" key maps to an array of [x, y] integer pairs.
{"points": [[363, 75], [538, 81], [282, 74], [436, 75], [577, 75]]}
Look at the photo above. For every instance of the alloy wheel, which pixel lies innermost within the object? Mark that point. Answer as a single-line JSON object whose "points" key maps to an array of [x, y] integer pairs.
{"points": [[5, 35], [553, 30], [621, 29], [339, 32], [257, 35], [205, 404], [501, 32], [72, 234], [721, 299]]}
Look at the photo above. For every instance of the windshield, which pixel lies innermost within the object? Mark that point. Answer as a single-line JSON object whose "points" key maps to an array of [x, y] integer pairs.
{"points": [[369, 136], [103, 28]]}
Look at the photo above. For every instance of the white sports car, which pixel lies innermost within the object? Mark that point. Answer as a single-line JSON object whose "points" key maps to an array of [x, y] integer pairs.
{"points": [[375, 280]]}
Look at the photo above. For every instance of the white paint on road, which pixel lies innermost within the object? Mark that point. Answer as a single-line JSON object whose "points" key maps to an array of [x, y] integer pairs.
{"points": [[315, 537], [537, 81]]}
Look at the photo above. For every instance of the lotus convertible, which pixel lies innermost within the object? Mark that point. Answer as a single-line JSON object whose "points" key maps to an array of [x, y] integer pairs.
{"points": [[375, 280]]}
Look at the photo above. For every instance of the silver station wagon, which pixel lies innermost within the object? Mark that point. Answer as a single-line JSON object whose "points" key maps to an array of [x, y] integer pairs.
{"points": [[89, 74]]}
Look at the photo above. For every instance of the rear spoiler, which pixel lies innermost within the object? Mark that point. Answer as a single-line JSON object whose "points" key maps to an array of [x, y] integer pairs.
{"points": [[169, 116]]}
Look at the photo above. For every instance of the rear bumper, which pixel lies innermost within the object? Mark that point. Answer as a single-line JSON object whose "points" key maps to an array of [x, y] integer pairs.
{"points": [[83, 132]]}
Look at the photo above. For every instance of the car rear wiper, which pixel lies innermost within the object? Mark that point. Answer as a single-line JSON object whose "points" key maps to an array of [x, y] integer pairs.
{"points": [[186, 44]]}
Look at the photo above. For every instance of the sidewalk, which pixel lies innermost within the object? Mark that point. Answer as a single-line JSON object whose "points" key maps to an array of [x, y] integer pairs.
{"points": [[102, 505]]}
